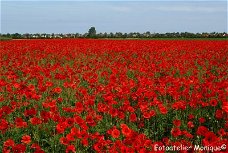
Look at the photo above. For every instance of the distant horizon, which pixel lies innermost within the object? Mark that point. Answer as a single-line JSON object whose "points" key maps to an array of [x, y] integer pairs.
{"points": [[116, 32], [113, 16]]}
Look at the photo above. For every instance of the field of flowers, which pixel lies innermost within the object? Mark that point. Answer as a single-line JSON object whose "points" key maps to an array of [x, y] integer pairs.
{"points": [[115, 96]]}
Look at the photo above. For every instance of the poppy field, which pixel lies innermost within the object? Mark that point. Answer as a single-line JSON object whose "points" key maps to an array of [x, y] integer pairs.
{"points": [[113, 96]]}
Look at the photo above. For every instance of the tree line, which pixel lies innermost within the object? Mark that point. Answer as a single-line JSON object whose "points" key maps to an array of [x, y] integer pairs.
{"points": [[93, 34]]}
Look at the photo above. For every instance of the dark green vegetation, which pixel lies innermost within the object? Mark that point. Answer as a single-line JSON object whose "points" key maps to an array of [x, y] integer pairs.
{"points": [[5, 38], [92, 33]]}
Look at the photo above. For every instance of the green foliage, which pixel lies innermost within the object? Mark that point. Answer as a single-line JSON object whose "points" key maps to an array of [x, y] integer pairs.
{"points": [[92, 32]]}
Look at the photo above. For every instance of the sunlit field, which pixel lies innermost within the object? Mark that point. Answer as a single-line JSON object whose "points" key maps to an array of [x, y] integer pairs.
{"points": [[113, 96]]}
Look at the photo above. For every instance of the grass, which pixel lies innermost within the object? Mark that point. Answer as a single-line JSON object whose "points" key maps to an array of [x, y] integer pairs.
{"points": [[5, 38]]}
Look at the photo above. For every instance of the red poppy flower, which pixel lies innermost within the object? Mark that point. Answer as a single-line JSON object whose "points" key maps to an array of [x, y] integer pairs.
{"points": [[176, 132], [163, 110], [60, 127], [57, 90], [219, 114], [191, 116], [85, 142], [221, 132], [45, 116], [35, 120], [126, 130], [79, 107], [19, 148], [98, 147], [49, 84], [30, 112], [69, 122], [74, 131], [187, 134], [202, 119], [115, 133], [121, 115], [6, 150], [190, 124], [202, 130], [113, 112], [209, 139], [177, 122], [89, 119], [133, 117], [20, 123], [213, 102], [146, 115], [225, 107], [70, 148], [64, 141], [35, 146], [3, 125], [26, 139], [70, 137], [78, 120], [60, 76], [9, 143], [147, 143]]}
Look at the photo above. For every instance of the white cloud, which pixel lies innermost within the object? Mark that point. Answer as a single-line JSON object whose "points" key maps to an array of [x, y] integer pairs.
{"points": [[190, 9]]}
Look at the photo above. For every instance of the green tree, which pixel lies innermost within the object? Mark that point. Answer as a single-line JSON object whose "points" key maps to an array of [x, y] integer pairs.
{"points": [[16, 36], [92, 32]]}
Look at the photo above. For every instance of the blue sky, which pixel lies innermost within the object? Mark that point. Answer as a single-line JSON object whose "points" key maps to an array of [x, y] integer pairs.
{"points": [[113, 16]]}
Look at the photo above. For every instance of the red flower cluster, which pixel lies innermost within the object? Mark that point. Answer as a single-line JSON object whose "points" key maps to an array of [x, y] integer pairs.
{"points": [[84, 95]]}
